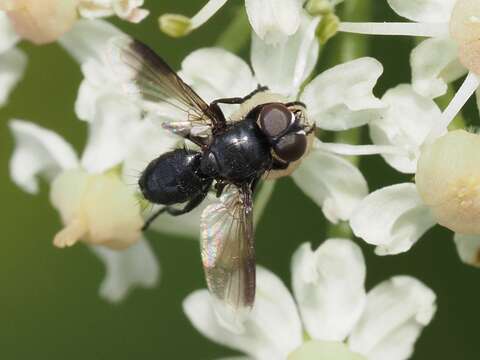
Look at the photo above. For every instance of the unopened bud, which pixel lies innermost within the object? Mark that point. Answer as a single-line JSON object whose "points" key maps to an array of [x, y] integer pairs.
{"points": [[465, 29], [41, 21], [448, 180], [175, 25]]}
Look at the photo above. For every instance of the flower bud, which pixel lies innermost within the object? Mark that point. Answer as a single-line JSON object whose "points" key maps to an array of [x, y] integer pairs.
{"points": [[448, 180], [41, 21], [465, 29], [97, 209], [175, 25]]}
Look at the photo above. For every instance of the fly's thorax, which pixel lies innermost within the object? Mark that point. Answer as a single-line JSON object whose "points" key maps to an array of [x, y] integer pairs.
{"points": [[238, 154], [285, 125]]}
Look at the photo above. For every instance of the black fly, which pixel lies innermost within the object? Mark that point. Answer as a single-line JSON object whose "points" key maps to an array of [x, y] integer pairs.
{"points": [[267, 136]]}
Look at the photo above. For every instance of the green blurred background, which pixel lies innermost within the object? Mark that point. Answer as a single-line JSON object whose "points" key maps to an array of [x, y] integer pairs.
{"points": [[49, 308]]}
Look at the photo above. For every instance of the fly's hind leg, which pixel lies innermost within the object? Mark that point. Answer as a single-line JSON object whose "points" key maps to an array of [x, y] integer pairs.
{"points": [[192, 204]]}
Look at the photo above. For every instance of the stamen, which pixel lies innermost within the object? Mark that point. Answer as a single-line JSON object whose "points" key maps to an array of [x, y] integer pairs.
{"points": [[391, 28], [177, 25], [349, 150], [206, 13], [467, 89]]}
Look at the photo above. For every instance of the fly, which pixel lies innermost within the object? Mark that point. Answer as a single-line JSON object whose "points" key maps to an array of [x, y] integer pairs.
{"points": [[265, 139]]}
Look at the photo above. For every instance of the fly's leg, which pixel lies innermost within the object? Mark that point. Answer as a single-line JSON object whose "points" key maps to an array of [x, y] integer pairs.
{"points": [[238, 100], [219, 187], [192, 204], [152, 218], [222, 123], [259, 89]]}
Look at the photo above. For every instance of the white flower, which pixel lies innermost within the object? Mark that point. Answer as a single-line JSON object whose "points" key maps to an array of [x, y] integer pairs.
{"points": [[12, 60], [338, 99], [446, 192], [331, 307], [395, 217], [272, 20], [452, 51], [45, 21], [95, 204]]}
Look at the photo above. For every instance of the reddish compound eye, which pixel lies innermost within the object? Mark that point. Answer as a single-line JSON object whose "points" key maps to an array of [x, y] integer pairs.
{"points": [[291, 147], [274, 119]]}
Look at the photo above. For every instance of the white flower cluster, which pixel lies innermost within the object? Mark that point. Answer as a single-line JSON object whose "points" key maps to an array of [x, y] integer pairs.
{"points": [[330, 315]]}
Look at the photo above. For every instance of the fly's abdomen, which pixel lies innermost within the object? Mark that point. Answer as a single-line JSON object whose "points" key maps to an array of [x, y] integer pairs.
{"points": [[173, 178]]}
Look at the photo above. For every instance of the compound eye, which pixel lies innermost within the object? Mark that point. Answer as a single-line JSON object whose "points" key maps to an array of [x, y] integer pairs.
{"points": [[274, 119], [291, 147]]}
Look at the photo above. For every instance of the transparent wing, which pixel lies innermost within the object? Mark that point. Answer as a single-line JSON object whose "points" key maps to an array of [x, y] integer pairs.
{"points": [[228, 251], [146, 76]]}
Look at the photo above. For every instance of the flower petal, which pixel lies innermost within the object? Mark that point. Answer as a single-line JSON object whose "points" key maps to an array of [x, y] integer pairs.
{"points": [[324, 350], [405, 124], [284, 67], [429, 11], [130, 10], [38, 152], [88, 39], [8, 36], [127, 269], [109, 133], [341, 97], [393, 218], [232, 76], [397, 311], [12, 65], [434, 64], [329, 286], [332, 182], [274, 20], [468, 247], [272, 330]]}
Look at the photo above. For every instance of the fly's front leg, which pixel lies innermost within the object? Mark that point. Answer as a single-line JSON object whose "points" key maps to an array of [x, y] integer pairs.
{"points": [[231, 101]]}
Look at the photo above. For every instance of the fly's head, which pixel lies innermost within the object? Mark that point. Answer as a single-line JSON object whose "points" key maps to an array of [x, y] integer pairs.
{"points": [[287, 129]]}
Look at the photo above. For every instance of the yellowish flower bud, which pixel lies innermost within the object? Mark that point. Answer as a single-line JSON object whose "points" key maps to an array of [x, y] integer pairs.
{"points": [[327, 28], [465, 29], [97, 209], [175, 25], [448, 180], [41, 21], [319, 7]]}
